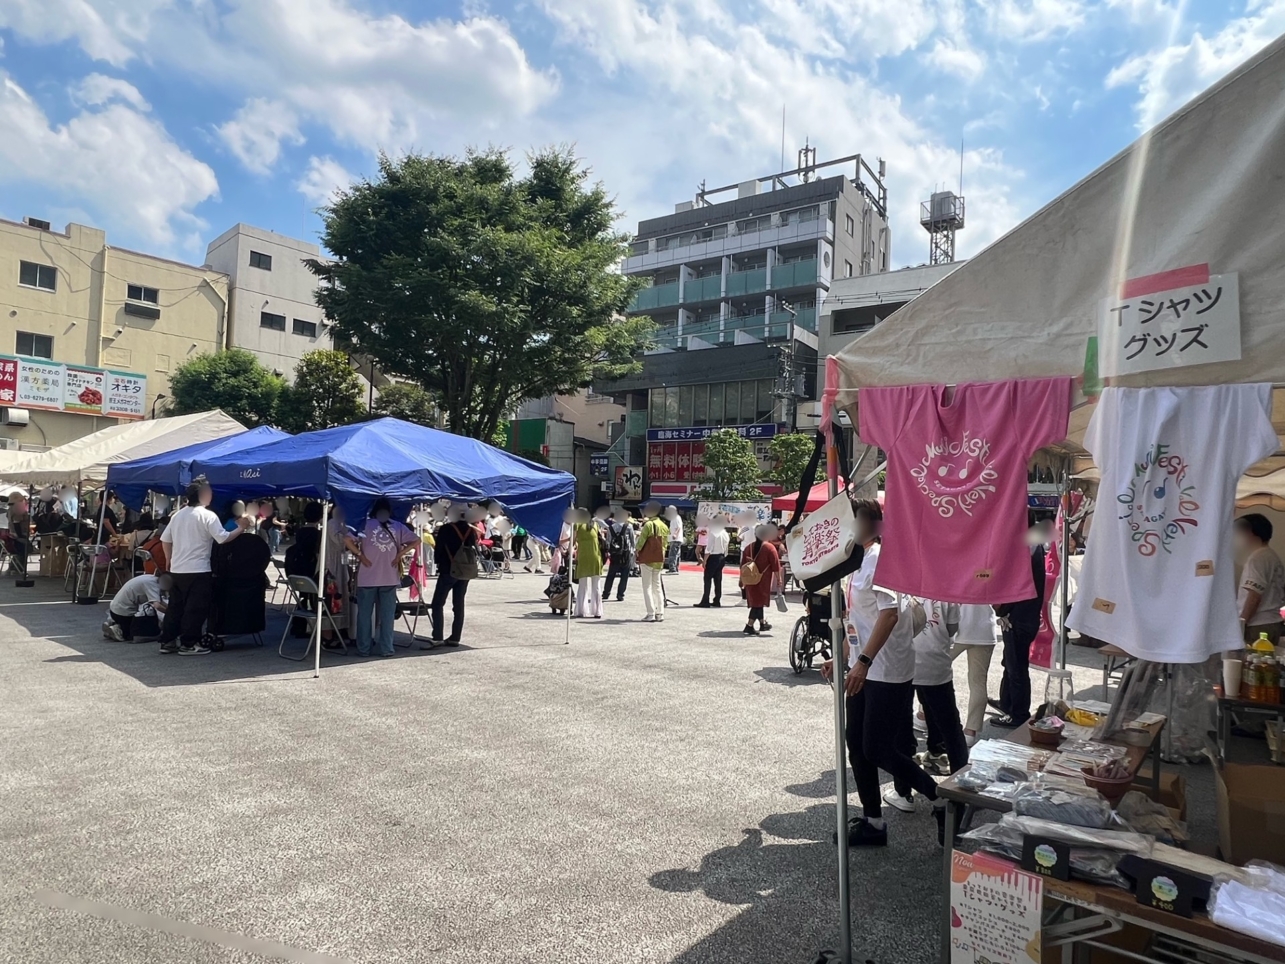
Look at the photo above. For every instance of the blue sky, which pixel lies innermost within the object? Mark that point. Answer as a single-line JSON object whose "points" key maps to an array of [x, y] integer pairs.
{"points": [[166, 121]]}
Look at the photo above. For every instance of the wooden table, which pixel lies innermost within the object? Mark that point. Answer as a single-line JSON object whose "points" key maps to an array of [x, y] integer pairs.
{"points": [[962, 803], [1230, 707]]}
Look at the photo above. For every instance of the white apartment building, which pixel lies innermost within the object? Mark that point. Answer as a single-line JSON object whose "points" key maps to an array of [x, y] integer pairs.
{"points": [[271, 308]]}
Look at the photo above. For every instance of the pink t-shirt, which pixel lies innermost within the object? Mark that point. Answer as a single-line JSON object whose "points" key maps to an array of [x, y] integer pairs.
{"points": [[955, 516], [382, 544]]}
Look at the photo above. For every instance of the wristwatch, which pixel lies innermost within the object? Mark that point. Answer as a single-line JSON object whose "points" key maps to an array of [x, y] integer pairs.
{"points": [[864, 660]]}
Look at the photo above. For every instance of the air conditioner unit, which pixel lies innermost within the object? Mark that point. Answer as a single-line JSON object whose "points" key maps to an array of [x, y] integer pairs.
{"points": [[8, 444], [13, 416], [38, 223]]}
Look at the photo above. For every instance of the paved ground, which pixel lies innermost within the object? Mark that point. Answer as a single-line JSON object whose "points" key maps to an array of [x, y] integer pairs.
{"points": [[650, 793]]}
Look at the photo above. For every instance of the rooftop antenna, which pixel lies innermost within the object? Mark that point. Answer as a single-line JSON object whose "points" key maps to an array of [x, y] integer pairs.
{"points": [[961, 165], [782, 167]]}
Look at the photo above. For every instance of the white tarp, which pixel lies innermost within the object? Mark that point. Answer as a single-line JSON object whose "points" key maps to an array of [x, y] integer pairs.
{"points": [[86, 459], [1203, 187]]}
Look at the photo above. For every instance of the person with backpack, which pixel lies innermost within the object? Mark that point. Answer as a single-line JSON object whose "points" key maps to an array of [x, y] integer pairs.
{"points": [[380, 547], [455, 556], [652, 542], [620, 553]]}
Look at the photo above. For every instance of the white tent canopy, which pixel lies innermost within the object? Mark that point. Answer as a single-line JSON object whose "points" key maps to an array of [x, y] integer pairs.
{"points": [[86, 459], [1202, 187]]}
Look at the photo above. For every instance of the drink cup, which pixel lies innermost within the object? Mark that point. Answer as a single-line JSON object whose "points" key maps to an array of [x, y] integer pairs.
{"points": [[1232, 669]]}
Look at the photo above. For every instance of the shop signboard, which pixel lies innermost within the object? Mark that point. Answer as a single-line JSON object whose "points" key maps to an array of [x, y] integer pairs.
{"points": [[126, 395], [599, 463], [78, 389], [676, 461], [698, 433], [40, 385], [83, 390], [1174, 319], [741, 515], [8, 381], [629, 483]]}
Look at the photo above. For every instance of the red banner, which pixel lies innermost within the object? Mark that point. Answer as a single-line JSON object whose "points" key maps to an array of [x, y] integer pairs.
{"points": [[655, 461], [8, 381], [670, 468]]}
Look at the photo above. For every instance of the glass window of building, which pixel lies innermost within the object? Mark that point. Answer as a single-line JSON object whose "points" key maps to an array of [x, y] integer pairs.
{"points": [[716, 404], [656, 404], [671, 407], [748, 407], [685, 405], [732, 403], [700, 404], [766, 400]]}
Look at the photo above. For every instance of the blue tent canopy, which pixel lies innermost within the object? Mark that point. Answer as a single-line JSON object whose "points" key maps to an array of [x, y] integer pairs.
{"points": [[170, 472], [355, 464]]}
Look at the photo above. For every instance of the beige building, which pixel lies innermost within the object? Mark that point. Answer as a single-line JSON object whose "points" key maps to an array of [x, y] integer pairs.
{"points": [[95, 330]]}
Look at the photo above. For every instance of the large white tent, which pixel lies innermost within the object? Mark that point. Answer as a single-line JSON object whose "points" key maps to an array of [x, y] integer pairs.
{"points": [[1203, 187], [86, 459]]}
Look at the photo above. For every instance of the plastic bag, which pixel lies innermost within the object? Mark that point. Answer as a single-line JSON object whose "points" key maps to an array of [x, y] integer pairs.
{"points": [[983, 776], [1061, 802], [1089, 863], [1256, 908], [1120, 840], [1144, 815]]}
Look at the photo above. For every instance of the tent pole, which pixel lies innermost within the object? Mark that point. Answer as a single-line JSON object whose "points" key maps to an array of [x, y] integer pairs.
{"points": [[321, 594], [93, 571], [572, 588], [1065, 552], [837, 636]]}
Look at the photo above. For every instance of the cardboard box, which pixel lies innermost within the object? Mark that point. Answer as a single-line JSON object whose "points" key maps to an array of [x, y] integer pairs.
{"points": [[53, 555], [1251, 812], [1173, 792]]}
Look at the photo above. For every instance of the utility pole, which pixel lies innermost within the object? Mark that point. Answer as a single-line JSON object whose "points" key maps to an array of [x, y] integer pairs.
{"points": [[788, 381]]}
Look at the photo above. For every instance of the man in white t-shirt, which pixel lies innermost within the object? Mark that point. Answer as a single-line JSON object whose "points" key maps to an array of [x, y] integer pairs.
{"points": [[188, 539], [675, 549], [1262, 580], [715, 559], [880, 690]]}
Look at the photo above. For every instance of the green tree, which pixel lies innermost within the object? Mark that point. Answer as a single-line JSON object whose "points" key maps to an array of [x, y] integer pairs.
{"points": [[484, 288], [232, 380], [408, 402], [731, 470], [790, 454], [326, 392]]}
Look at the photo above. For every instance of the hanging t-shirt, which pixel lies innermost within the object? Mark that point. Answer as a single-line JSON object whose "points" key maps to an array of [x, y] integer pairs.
{"points": [[895, 662], [1158, 577], [932, 645], [955, 505]]}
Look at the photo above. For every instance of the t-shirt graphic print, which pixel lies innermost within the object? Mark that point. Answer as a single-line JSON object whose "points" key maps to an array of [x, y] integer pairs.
{"points": [[1158, 576]]}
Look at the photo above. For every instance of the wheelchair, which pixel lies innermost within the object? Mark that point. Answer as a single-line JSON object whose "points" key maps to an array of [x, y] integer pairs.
{"points": [[811, 635]]}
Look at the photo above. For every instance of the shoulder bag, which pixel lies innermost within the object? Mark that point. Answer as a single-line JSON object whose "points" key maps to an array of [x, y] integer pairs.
{"points": [[464, 562]]}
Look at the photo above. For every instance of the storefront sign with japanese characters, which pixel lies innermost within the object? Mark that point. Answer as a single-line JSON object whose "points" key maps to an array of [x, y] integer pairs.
{"points": [[1170, 320], [702, 432], [53, 387]]}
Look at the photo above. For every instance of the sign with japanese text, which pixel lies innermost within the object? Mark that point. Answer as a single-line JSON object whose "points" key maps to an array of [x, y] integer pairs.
{"points": [[629, 483], [994, 911], [599, 463], [78, 389], [669, 462], [1170, 320], [702, 432], [676, 461], [739, 515]]}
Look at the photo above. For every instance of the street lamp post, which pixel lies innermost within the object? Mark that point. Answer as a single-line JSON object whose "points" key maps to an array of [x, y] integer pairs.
{"points": [[155, 401]]}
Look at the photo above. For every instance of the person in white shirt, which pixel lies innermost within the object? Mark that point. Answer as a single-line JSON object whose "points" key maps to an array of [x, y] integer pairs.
{"points": [[675, 523], [188, 539], [976, 636], [134, 599], [1262, 580], [716, 542], [880, 691]]}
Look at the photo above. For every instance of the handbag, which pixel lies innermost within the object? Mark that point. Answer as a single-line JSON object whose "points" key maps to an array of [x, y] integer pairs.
{"points": [[914, 609], [653, 549], [824, 548]]}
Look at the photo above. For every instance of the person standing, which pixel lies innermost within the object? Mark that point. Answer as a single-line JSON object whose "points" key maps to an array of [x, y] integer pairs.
{"points": [[620, 553], [188, 538], [587, 573], [675, 545], [976, 637], [270, 526], [1020, 623], [20, 532], [1262, 580], [380, 548], [451, 537], [652, 540], [716, 540], [758, 595]]}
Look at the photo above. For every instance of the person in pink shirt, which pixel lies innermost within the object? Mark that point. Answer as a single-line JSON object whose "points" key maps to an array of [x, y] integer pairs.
{"points": [[382, 543]]}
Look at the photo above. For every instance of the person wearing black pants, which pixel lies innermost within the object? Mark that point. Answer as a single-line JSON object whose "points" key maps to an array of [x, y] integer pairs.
{"points": [[945, 729], [451, 538], [1020, 623], [620, 554], [715, 560], [191, 594]]}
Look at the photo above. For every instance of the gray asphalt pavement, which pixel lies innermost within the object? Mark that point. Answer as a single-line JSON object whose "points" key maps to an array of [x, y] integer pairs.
{"points": [[649, 793]]}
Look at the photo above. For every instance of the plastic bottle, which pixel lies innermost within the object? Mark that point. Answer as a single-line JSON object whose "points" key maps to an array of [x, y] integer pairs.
{"points": [[1262, 672]]}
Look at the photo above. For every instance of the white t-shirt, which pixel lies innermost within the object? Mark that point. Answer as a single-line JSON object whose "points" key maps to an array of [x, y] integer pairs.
{"points": [[132, 596], [716, 542], [895, 663], [189, 537], [1265, 575], [1158, 579], [976, 626], [932, 646], [675, 528]]}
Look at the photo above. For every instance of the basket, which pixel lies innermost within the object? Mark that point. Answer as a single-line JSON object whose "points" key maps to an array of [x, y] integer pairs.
{"points": [[1112, 788]]}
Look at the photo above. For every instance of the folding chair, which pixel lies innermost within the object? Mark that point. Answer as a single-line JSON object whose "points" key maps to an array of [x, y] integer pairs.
{"points": [[282, 582], [71, 572], [142, 557], [299, 587]]}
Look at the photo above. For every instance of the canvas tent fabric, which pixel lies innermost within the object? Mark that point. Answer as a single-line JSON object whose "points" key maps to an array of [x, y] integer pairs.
{"points": [[355, 464], [87, 459], [818, 496], [1197, 189], [170, 472]]}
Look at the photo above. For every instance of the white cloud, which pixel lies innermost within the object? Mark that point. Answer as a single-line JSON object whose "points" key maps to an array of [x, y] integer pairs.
{"points": [[106, 30], [98, 89], [324, 177], [257, 130], [854, 29], [962, 61], [117, 161], [1169, 77], [1031, 20]]}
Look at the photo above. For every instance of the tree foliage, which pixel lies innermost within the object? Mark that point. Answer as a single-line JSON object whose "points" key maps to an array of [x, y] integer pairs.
{"points": [[790, 454], [233, 380], [731, 470], [408, 402], [484, 288], [326, 392]]}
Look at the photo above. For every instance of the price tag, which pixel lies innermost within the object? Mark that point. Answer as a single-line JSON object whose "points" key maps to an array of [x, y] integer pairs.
{"points": [[1048, 858]]}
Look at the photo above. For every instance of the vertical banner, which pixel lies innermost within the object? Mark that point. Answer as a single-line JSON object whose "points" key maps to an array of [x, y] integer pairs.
{"points": [[8, 381], [684, 461], [655, 461], [670, 467]]}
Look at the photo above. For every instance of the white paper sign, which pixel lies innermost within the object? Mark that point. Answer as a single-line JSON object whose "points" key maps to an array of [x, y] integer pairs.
{"points": [[1191, 325], [738, 515], [994, 911]]}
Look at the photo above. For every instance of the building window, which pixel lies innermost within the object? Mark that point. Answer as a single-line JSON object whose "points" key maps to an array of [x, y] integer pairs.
{"points": [[306, 328], [268, 320], [34, 275], [849, 225], [141, 293], [34, 346], [260, 260], [847, 269]]}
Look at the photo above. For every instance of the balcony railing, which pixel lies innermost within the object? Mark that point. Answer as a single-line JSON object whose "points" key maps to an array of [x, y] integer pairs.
{"points": [[747, 282], [794, 274], [703, 289], [657, 296]]}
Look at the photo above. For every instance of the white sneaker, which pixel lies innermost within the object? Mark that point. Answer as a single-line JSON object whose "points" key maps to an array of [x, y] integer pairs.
{"points": [[112, 630], [649, 618], [895, 800], [972, 739], [921, 725]]}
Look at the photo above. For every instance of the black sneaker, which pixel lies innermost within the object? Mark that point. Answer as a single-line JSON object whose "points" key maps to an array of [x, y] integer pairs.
{"points": [[1006, 722], [197, 650], [764, 627], [994, 705], [750, 631], [451, 641], [861, 833], [701, 605], [716, 604], [170, 647]]}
